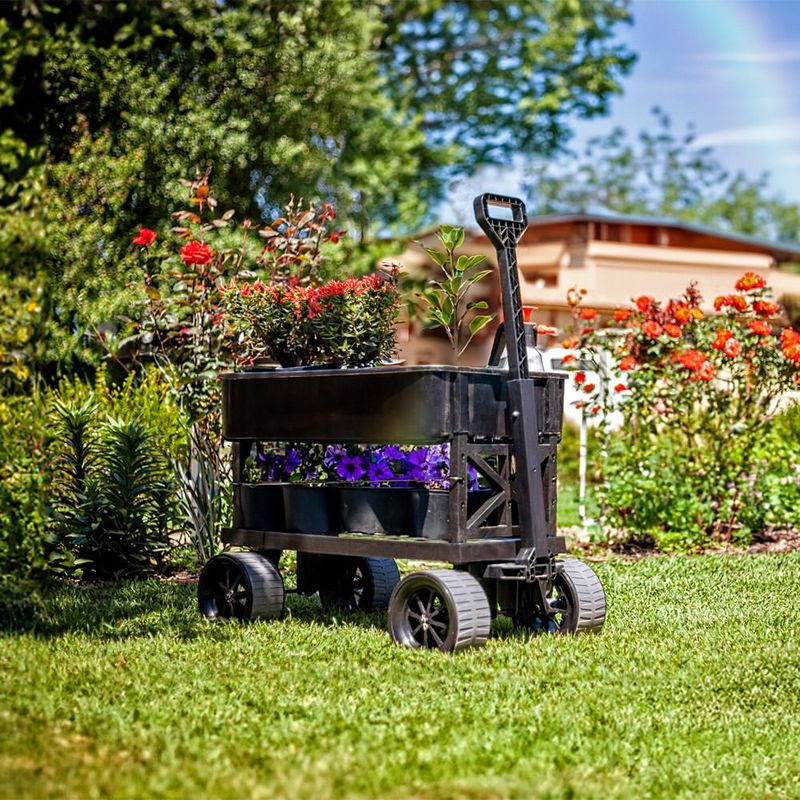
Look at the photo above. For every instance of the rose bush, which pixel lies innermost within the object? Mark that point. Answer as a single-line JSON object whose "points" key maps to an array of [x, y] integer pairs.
{"points": [[698, 402]]}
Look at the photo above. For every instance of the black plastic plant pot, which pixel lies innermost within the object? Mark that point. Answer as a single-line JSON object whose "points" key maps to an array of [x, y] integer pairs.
{"points": [[380, 405], [430, 513], [380, 509], [307, 509], [259, 506]]}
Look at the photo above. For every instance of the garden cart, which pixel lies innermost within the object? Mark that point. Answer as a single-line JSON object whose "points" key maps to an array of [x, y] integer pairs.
{"points": [[503, 425]]}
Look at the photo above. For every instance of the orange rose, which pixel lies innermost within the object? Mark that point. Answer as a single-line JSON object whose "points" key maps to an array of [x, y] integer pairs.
{"points": [[627, 363], [652, 329], [722, 337], [750, 282]]}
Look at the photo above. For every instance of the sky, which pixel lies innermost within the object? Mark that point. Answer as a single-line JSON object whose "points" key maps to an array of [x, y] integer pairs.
{"points": [[731, 68]]}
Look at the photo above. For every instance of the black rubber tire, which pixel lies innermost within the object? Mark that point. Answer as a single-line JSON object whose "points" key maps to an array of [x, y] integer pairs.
{"points": [[577, 602], [359, 584], [440, 609], [242, 586], [585, 598]]}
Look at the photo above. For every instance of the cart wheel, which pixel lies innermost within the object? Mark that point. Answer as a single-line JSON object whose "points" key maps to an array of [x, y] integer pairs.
{"points": [[241, 586], [363, 584], [578, 602], [441, 609]]}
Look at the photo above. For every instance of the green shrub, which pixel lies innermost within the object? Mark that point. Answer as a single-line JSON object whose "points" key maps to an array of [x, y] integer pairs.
{"points": [[660, 488], [23, 493], [114, 502]]}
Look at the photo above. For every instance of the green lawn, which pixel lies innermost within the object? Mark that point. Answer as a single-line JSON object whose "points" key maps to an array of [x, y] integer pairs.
{"points": [[692, 690]]}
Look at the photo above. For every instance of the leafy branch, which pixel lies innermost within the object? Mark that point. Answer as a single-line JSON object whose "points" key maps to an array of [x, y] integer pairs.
{"points": [[446, 298]]}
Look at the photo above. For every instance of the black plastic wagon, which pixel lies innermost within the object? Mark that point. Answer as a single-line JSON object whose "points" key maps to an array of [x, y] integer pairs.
{"points": [[501, 541]]}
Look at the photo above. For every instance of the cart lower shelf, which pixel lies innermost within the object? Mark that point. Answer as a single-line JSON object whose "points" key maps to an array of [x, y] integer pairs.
{"points": [[354, 544]]}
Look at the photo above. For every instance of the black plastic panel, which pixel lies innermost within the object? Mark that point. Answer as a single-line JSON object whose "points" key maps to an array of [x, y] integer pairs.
{"points": [[379, 405]]}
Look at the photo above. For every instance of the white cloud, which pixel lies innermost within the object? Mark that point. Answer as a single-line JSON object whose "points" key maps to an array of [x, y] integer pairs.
{"points": [[787, 130]]}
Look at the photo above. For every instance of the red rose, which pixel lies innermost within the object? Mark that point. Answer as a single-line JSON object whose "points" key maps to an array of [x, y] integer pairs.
{"points": [[758, 326], [196, 253], [620, 387], [145, 238], [580, 377], [672, 330], [643, 303], [588, 313], [652, 329], [706, 372], [621, 314], [589, 387], [692, 359], [627, 363], [790, 345]]}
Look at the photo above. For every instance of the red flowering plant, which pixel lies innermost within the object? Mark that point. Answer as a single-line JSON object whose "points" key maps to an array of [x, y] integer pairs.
{"points": [[180, 327], [186, 327], [348, 322], [697, 393]]}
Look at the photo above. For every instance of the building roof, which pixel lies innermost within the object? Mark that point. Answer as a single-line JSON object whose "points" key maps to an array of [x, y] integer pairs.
{"points": [[780, 251]]}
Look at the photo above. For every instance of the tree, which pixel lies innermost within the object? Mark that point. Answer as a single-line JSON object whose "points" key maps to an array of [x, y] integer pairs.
{"points": [[367, 104], [487, 78], [365, 101], [664, 174]]}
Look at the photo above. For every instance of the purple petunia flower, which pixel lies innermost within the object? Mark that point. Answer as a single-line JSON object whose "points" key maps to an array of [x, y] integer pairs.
{"points": [[333, 454], [416, 464], [350, 468], [378, 472], [292, 461], [391, 452]]}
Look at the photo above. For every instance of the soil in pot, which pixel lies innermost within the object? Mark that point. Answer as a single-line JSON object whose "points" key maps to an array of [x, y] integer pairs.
{"points": [[380, 509]]}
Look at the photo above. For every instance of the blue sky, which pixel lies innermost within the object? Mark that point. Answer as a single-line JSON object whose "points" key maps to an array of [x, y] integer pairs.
{"points": [[729, 67]]}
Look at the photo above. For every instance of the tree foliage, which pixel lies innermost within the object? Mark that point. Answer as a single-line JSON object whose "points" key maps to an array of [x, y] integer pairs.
{"points": [[661, 173], [367, 104], [488, 78]]}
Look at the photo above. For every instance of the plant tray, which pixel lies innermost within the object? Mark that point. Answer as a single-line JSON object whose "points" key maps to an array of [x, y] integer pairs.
{"points": [[380, 405]]}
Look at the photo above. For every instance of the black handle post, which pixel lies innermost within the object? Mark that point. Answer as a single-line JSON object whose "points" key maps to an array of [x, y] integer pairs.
{"points": [[504, 232]]}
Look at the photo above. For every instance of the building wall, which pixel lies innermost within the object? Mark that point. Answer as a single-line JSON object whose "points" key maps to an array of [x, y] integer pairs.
{"points": [[566, 255]]}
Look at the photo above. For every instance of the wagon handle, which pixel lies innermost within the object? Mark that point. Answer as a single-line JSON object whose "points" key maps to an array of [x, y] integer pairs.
{"points": [[504, 232]]}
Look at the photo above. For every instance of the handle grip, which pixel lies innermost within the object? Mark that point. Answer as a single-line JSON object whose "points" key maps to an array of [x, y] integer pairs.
{"points": [[502, 231]]}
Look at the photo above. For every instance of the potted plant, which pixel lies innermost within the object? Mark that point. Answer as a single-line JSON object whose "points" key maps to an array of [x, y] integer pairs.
{"points": [[341, 322]]}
